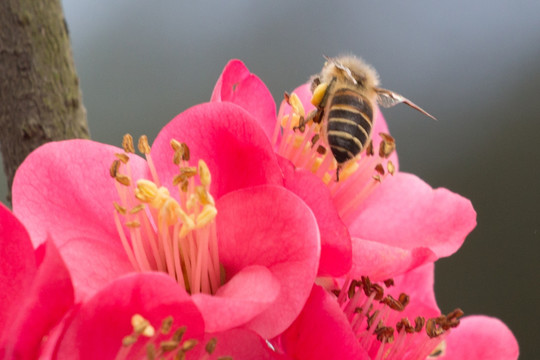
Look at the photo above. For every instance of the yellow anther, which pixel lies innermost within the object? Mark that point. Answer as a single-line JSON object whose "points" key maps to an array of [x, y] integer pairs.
{"points": [[129, 340], [161, 198], [142, 326], [143, 146], [391, 168], [327, 178], [121, 210], [146, 190], [204, 173], [176, 145], [203, 196], [169, 211], [387, 145], [122, 157], [296, 104], [127, 144], [188, 224], [136, 209], [123, 179], [133, 224], [349, 169], [318, 94], [206, 216], [316, 164]]}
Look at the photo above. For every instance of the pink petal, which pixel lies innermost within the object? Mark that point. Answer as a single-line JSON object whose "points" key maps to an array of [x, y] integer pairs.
{"points": [[380, 261], [271, 227], [43, 305], [321, 331], [237, 85], [228, 139], [18, 265], [239, 344], [250, 291], [65, 189], [419, 285], [481, 337], [406, 213], [336, 253], [97, 329], [93, 264]]}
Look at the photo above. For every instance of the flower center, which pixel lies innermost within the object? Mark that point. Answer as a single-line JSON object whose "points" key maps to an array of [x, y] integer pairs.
{"points": [[376, 321], [161, 233], [162, 344], [306, 146]]}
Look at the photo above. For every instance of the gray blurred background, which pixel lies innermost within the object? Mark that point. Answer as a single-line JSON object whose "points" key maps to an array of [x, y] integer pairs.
{"points": [[476, 66]]}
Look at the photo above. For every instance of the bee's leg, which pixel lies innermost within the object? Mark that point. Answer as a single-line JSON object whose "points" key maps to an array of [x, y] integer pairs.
{"points": [[338, 169]]}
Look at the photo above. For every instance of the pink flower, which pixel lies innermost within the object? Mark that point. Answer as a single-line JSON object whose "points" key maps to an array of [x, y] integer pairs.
{"points": [[147, 316], [392, 321], [35, 290], [226, 229], [396, 221]]}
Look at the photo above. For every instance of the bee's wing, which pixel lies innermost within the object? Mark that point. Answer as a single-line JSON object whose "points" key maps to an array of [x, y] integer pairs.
{"points": [[387, 98]]}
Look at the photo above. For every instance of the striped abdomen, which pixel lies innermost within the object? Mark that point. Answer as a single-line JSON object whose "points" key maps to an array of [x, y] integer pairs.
{"points": [[349, 125]]}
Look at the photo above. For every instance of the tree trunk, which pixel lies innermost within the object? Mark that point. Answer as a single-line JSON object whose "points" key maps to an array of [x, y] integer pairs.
{"points": [[40, 99]]}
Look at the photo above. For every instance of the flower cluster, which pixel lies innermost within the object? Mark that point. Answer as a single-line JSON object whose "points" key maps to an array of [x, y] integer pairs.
{"points": [[229, 238]]}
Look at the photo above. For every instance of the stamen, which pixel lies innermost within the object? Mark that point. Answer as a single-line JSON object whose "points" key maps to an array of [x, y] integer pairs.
{"points": [[375, 319], [173, 235]]}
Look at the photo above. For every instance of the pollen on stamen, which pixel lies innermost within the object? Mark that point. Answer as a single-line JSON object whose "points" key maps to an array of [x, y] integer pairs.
{"points": [[376, 319], [169, 229], [301, 139]]}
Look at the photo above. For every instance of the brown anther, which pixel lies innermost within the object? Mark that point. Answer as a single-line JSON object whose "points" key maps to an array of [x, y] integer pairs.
{"points": [[122, 157], [168, 345], [369, 149], [385, 333], [287, 98], [352, 289], [321, 150], [378, 289], [457, 313], [225, 358], [177, 157], [143, 146], [314, 139], [179, 333], [113, 170], [387, 145], [189, 344], [388, 282], [121, 210], [150, 351], [127, 144], [404, 325], [185, 152], [186, 173], [129, 340], [180, 355], [371, 318], [136, 209], [366, 285], [419, 323], [432, 330], [211, 346], [404, 299], [133, 224], [123, 179], [393, 303], [358, 310], [166, 325], [380, 169], [390, 167], [184, 186], [336, 292]]}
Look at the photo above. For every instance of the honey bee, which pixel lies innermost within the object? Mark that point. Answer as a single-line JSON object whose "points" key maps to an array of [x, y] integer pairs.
{"points": [[345, 93]]}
